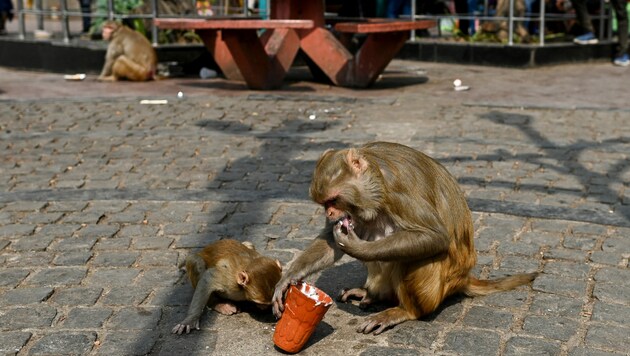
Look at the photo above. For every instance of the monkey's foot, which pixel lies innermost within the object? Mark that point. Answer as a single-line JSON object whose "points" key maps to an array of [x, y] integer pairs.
{"points": [[358, 293], [383, 320], [185, 326], [225, 308], [110, 78]]}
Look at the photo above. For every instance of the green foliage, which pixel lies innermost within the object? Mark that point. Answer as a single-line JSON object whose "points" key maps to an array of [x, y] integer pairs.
{"points": [[121, 7]]}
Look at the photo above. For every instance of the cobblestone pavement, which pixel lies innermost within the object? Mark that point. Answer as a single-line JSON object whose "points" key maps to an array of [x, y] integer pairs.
{"points": [[101, 196]]}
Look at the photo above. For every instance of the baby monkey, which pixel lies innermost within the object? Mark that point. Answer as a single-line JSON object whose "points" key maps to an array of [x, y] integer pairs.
{"points": [[226, 271]]}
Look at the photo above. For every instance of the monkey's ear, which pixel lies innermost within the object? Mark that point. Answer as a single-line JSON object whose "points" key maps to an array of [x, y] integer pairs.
{"points": [[357, 163], [242, 279], [279, 264]]}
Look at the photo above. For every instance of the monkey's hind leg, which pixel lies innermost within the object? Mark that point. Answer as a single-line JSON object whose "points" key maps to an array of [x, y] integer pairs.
{"points": [[204, 289], [385, 319], [126, 68]]}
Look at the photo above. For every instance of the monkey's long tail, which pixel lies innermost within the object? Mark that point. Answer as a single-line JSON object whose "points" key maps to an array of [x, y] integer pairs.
{"points": [[478, 287]]}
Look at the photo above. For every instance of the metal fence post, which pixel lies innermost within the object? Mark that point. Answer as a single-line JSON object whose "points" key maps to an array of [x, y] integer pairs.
{"points": [[154, 30], [21, 24], [65, 27], [541, 24], [511, 24]]}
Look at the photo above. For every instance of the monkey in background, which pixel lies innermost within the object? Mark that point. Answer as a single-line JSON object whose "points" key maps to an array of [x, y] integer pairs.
{"points": [[226, 271], [129, 54], [501, 28], [403, 215]]}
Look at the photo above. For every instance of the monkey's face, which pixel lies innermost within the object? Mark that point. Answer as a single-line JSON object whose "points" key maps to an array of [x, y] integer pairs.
{"points": [[345, 186], [107, 33]]}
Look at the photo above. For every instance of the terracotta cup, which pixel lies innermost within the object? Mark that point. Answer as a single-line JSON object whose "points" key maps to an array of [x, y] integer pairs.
{"points": [[304, 308]]}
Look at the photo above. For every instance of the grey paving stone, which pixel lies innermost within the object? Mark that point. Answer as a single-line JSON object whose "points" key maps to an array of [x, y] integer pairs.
{"points": [[25, 295], [31, 243], [86, 317], [552, 304], [135, 319], [12, 277], [138, 230], [27, 206], [57, 276], [64, 343], [158, 258], [31, 259], [12, 342], [566, 254], [559, 285], [488, 318], [124, 295], [114, 258], [73, 244], [152, 243], [76, 296], [519, 345], [584, 351], [613, 293], [608, 258], [550, 327], [568, 269], [384, 351], [16, 230], [72, 258], [108, 276], [126, 343], [33, 316], [418, 334], [610, 338], [508, 299], [159, 276], [100, 230], [608, 312], [113, 243], [469, 342]]}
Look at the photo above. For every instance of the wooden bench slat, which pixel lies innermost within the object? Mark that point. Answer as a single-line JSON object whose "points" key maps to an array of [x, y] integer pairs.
{"points": [[385, 26], [231, 24]]}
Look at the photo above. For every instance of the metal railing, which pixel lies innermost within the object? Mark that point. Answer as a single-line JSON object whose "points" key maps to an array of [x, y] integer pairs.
{"points": [[63, 13], [604, 16]]}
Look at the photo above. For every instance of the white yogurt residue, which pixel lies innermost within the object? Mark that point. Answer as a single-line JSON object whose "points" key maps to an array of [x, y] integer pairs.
{"points": [[311, 292]]}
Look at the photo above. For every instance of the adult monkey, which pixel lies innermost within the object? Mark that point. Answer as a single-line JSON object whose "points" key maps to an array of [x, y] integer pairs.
{"points": [[129, 54], [405, 217]]}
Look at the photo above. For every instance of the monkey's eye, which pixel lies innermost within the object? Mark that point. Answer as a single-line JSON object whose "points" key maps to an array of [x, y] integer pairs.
{"points": [[330, 202]]}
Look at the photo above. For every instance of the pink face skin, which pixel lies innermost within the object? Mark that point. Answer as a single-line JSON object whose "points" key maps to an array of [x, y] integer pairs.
{"points": [[107, 32]]}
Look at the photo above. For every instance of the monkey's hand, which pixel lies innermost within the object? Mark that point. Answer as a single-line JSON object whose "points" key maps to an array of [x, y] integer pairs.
{"points": [[186, 326], [360, 293], [347, 241], [277, 302]]}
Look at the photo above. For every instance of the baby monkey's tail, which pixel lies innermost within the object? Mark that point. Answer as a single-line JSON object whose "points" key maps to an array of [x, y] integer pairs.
{"points": [[478, 287]]}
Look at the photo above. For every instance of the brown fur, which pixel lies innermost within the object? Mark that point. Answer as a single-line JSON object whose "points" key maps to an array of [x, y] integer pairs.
{"points": [[227, 271], [129, 54], [403, 214]]}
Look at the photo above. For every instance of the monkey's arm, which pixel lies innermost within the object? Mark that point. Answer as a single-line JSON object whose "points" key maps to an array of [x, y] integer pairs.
{"points": [[113, 51], [405, 245], [322, 253], [204, 289]]}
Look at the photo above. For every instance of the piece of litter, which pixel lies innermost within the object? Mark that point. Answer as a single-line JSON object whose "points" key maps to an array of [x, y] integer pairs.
{"points": [[312, 117], [462, 88], [457, 82], [80, 76], [180, 95], [154, 102]]}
